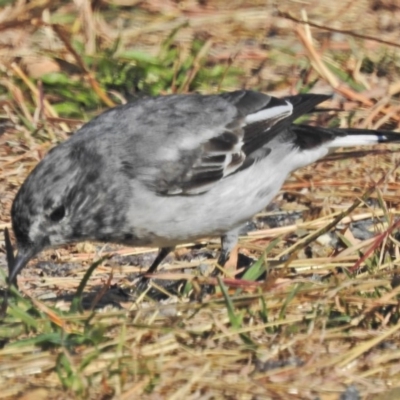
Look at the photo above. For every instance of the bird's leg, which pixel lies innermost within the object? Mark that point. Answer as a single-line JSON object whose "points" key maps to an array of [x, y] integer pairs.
{"points": [[164, 251], [228, 242]]}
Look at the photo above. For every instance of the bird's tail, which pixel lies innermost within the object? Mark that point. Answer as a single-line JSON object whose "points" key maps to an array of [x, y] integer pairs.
{"points": [[362, 137], [308, 137]]}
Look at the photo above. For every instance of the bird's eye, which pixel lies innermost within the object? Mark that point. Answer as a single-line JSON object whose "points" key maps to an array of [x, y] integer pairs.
{"points": [[58, 214]]}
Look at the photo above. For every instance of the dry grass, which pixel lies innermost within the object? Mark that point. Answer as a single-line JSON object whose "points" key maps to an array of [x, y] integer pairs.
{"points": [[323, 323]]}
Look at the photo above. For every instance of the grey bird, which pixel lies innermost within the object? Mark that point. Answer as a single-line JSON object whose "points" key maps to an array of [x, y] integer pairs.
{"points": [[171, 169]]}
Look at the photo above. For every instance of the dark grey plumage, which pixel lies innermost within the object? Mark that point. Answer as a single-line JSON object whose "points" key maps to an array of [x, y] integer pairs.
{"points": [[167, 170]]}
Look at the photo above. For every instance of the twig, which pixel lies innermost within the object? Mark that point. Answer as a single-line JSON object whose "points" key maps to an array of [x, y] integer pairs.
{"points": [[93, 83], [344, 31]]}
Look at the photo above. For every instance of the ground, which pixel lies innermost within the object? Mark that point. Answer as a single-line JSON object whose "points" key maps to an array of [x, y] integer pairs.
{"points": [[315, 313]]}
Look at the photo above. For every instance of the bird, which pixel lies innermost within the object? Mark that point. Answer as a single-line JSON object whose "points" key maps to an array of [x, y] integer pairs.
{"points": [[172, 169]]}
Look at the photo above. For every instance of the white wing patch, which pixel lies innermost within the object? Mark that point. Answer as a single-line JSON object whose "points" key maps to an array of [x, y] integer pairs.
{"points": [[275, 113], [234, 159]]}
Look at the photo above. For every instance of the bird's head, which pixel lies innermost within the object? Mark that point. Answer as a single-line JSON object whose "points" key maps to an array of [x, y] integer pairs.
{"points": [[65, 199]]}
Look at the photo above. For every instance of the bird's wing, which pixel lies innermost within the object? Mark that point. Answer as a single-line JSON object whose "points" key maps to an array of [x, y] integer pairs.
{"points": [[301, 104], [201, 159]]}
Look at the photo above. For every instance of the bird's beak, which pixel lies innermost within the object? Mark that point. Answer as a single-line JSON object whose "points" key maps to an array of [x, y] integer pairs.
{"points": [[15, 265], [20, 261]]}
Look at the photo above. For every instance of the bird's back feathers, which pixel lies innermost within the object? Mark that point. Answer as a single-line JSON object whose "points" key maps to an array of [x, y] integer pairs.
{"points": [[186, 144]]}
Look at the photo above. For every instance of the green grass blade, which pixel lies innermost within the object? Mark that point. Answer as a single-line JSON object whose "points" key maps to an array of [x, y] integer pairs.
{"points": [[76, 304]]}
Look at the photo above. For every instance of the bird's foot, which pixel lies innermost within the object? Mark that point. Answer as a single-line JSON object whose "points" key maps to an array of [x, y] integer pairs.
{"points": [[142, 285]]}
